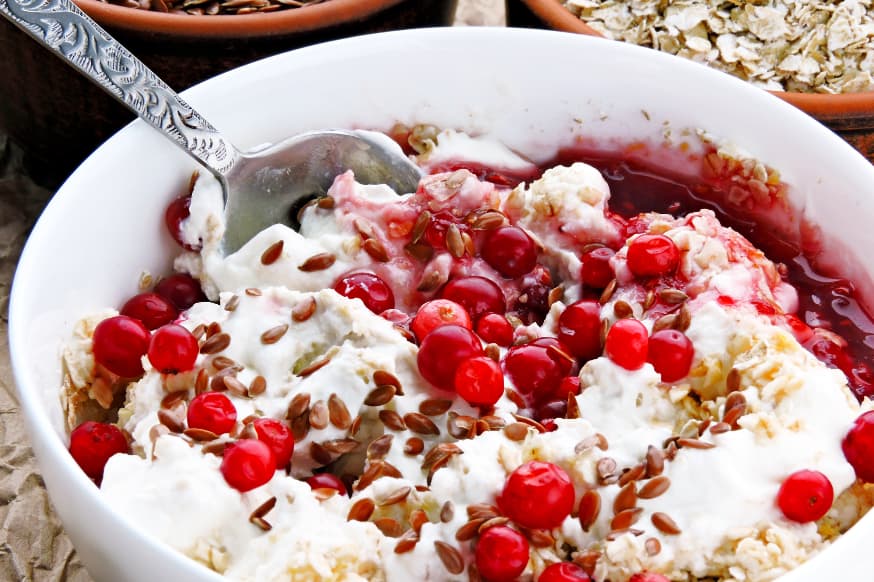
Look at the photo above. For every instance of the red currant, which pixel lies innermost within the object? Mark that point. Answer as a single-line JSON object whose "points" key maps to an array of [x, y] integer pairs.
{"points": [[177, 211], [326, 481], [494, 328], [537, 495], [442, 352], [805, 496], [533, 370], [119, 343], [91, 445], [212, 411], [150, 308], [501, 554], [653, 255], [648, 577], [247, 464], [858, 447], [181, 290], [375, 293], [433, 314], [626, 344], [173, 349], [564, 572], [278, 437], [510, 251], [579, 328], [476, 294], [670, 352], [596, 271], [479, 381]]}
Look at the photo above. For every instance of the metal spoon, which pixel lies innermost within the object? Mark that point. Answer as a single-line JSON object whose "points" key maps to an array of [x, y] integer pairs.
{"points": [[260, 188]]}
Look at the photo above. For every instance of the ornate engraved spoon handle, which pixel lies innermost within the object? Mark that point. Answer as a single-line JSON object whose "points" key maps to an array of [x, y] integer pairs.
{"points": [[62, 27]]}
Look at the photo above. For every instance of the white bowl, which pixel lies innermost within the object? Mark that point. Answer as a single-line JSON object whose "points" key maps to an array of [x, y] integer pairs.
{"points": [[534, 90]]}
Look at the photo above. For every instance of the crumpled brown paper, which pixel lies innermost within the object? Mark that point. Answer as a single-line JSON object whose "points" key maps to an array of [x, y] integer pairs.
{"points": [[33, 545]]}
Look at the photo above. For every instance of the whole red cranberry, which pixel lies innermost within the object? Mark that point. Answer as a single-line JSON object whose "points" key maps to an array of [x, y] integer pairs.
{"points": [[626, 344], [375, 293], [177, 211], [501, 554], [247, 464], [181, 290], [564, 572], [437, 312], [858, 446], [479, 381], [173, 349], [510, 251], [151, 309], [278, 437], [534, 370], [442, 352], [805, 496], [477, 295], [119, 343], [537, 495], [495, 328], [653, 255], [212, 411], [579, 328], [91, 445], [326, 481], [670, 352], [596, 271]]}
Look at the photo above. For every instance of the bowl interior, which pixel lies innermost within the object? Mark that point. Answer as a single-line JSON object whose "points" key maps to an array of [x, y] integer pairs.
{"points": [[533, 90]]}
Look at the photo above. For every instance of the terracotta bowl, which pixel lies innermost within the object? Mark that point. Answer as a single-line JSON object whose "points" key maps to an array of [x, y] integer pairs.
{"points": [[58, 117], [851, 115]]}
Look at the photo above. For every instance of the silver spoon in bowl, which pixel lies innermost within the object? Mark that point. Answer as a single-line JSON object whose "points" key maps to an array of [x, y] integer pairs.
{"points": [[260, 188]]}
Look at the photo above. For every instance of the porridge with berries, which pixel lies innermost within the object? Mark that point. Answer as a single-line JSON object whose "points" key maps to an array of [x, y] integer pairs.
{"points": [[573, 373]]}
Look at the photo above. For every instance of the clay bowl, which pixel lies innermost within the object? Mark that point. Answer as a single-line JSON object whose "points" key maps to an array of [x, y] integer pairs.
{"points": [[58, 117], [850, 115]]}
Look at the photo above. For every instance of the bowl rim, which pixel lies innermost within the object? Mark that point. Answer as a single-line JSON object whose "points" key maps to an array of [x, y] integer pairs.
{"points": [[823, 105], [305, 19]]}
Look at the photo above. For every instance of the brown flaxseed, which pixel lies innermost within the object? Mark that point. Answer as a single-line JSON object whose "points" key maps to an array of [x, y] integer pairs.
{"points": [[314, 367], [435, 406], [397, 496], [655, 461], [516, 431], [665, 524], [414, 446], [652, 546], [447, 512], [361, 510], [419, 227], [304, 310], [589, 508], [215, 344], [380, 396], [654, 487], [420, 424], [376, 250], [379, 447], [272, 253], [318, 262], [389, 527], [338, 414], [451, 557], [392, 420]]}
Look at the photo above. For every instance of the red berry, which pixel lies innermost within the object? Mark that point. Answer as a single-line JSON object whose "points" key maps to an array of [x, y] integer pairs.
{"points": [[569, 385], [653, 255], [151, 309], [501, 554], [278, 437], [648, 577], [537, 495], [596, 271], [119, 343], [858, 447], [326, 481], [177, 211], [212, 411], [181, 290], [476, 294], [551, 410], [670, 352], [247, 464], [534, 370], [435, 234], [626, 344], [510, 251], [442, 352], [433, 314], [494, 328], [375, 293], [92, 443], [805, 496], [479, 381], [579, 328], [173, 349], [564, 572]]}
